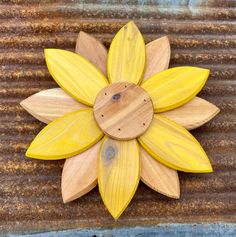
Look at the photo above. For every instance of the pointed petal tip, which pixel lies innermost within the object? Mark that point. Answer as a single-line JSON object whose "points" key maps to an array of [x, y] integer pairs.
{"points": [[173, 195], [115, 215], [164, 38], [28, 153], [83, 34], [23, 104], [67, 199], [131, 24], [207, 168]]}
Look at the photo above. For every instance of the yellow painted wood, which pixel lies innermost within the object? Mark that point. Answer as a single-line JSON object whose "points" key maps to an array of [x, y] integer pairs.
{"points": [[48, 105], [157, 57], [76, 75], [174, 146], [193, 114], [118, 173], [175, 87], [126, 56], [158, 176], [79, 174], [93, 50], [66, 136]]}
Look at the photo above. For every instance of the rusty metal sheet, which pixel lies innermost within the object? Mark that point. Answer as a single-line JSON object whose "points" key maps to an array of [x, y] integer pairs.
{"points": [[201, 33]]}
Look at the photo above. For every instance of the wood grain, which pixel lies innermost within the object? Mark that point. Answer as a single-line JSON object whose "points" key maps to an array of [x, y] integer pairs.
{"points": [[93, 50], [174, 146], [193, 114], [118, 173], [123, 110], [159, 177], [157, 57], [74, 74], [48, 105], [175, 87], [126, 56], [66, 136], [79, 174]]}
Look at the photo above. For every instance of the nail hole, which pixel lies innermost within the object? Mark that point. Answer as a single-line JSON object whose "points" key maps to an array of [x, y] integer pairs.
{"points": [[119, 129], [144, 124], [105, 93], [102, 115], [144, 100], [125, 86]]}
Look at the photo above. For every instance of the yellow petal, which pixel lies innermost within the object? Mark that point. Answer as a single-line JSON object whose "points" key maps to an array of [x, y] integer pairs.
{"points": [[66, 136], [79, 174], [118, 173], [93, 50], [159, 177], [174, 146], [126, 56], [157, 57], [175, 87], [51, 104], [76, 75], [193, 114]]}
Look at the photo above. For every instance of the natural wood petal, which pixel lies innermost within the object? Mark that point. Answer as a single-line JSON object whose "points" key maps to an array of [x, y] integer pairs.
{"points": [[174, 146], [93, 50], [175, 87], [126, 56], [159, 177], [118, 173], [157, 57], [79, 174], [51, 104], [76, 75], [66, 136], [193, 114]]}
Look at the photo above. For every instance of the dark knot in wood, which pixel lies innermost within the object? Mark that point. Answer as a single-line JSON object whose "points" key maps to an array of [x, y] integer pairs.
{"points": [[116, 97]]}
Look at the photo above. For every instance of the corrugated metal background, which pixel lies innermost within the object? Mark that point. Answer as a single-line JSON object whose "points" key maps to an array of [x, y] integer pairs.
{"points": [[201, 33]]}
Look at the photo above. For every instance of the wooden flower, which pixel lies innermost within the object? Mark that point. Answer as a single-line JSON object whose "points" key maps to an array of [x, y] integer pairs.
{"points": [[142, 107]]}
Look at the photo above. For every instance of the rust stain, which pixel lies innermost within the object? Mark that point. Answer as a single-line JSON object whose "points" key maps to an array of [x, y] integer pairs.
{"points": [[202, 34]]}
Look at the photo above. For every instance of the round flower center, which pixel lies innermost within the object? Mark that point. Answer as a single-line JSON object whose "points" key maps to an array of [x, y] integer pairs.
{"points": [[123, 110]]}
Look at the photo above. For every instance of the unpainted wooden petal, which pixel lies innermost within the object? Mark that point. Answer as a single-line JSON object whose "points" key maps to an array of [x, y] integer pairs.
{"points": [[66, 136], [118, 173], [174, 146], [93, 50], [75, 74], [158, 176], [174, 87], [193, 114], [79, 174], [48, 105], [157, 57], [126, 56]]}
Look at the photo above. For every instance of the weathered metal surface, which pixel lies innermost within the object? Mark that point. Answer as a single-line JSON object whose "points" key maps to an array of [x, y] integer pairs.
{"points": [[201, 33], [173, 230]]}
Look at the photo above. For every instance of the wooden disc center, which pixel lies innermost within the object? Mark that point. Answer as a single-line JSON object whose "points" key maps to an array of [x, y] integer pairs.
{"points": [[123, 110]]}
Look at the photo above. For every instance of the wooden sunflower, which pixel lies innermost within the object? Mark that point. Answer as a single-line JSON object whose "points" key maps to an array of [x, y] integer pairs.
{"points": [[141, 107]]}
